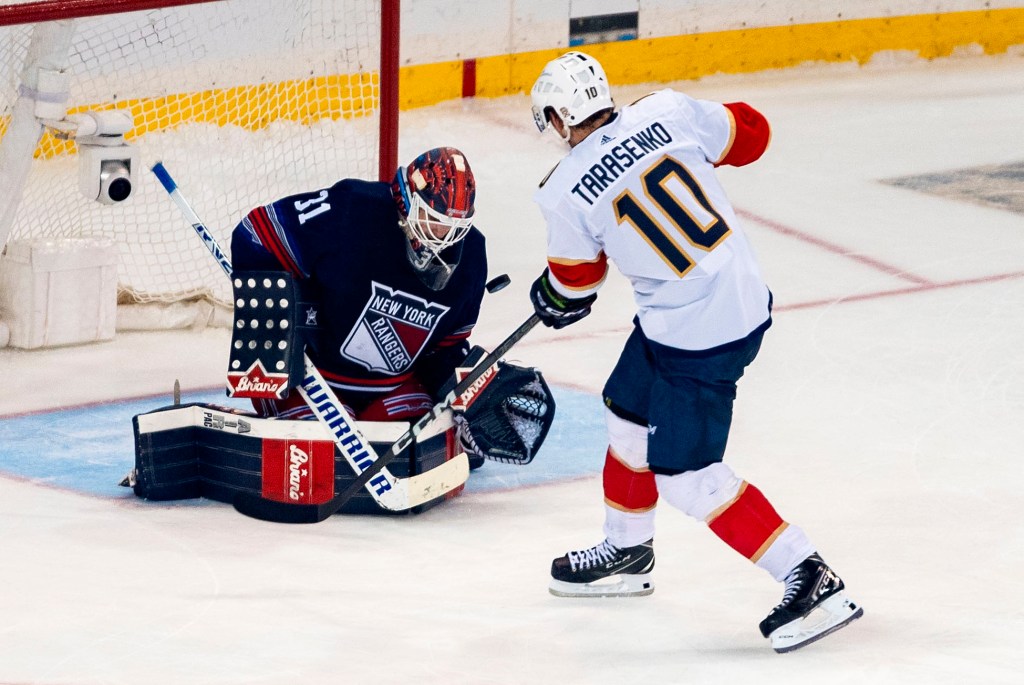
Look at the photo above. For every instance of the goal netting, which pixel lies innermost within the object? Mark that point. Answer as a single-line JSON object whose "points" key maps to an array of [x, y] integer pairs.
{"points": [[244, 101]]}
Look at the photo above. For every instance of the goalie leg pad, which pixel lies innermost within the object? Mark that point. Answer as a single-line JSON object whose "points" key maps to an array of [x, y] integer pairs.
{"points": [[202, 450]]}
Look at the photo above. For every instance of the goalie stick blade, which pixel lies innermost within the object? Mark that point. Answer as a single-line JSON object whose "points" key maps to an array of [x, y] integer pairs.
{"points": [[438, 481], [407, 493]]}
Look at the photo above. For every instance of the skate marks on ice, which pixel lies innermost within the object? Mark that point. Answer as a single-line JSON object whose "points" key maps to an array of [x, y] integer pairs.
{"points": [[995, 185]]}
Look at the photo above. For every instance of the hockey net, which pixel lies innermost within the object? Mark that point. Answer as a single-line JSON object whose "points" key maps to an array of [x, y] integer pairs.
{"points": [[244, 101]]}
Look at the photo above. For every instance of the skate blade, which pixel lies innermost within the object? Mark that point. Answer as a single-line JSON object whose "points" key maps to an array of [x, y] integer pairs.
{"points": [[623, 585], [834, 613]]}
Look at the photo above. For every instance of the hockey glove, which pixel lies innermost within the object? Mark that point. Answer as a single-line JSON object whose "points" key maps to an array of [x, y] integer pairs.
{"points": [[555, 310], [508, 419]]}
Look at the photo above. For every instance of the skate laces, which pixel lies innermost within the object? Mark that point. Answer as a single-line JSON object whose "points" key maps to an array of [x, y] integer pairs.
{"points": [[810, 569], [597, 554], [794, 583]]}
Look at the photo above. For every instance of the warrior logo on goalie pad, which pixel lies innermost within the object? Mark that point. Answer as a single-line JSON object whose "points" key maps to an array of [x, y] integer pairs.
{"points": [[392, 330], [257, 382]]}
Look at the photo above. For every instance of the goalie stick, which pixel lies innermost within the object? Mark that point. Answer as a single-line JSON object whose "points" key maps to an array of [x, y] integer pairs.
{"points": [[389, 491]]}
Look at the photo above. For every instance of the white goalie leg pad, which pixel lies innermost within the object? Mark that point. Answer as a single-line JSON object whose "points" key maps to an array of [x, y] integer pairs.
{"points": [[699, 493], [628, 443], [834, 613]]}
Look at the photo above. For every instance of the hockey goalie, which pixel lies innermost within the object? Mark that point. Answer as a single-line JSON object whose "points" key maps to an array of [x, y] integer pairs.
{"points": [[358, 298]]}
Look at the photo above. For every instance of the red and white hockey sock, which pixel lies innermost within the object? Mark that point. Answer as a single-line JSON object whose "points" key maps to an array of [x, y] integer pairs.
{"points": [[740, 515], [630, 492], [630, 497]]}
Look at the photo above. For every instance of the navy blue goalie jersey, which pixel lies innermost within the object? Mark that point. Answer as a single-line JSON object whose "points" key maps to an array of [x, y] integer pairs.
{"points": [[383, 326]]}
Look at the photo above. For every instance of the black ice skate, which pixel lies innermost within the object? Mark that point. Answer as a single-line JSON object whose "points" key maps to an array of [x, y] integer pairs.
{"points": [[604, 571], [813, 606]]}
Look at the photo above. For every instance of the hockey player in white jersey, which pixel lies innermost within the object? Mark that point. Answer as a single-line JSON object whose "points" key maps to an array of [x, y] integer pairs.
{"points": [[638, 188]]}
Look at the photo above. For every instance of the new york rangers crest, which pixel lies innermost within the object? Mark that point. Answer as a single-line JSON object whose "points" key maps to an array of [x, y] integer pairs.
{"points": [[392, 330]]}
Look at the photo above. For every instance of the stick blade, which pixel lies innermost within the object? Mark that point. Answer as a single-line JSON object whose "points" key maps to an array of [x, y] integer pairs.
{"points": [[254, 506]]}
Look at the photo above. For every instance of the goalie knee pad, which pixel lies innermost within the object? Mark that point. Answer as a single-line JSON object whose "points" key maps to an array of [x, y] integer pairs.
{"points": [[508, 417]]}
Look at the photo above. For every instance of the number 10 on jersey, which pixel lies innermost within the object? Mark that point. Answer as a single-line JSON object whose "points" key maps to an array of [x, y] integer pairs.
{"points": [[675, 218]]}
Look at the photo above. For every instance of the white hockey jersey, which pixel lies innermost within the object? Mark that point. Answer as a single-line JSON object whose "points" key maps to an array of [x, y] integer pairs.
{"points": [[642, 192]]}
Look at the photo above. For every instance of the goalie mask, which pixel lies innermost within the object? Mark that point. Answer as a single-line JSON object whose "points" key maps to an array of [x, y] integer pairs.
{"points": [[509, 419], [435, 196]]}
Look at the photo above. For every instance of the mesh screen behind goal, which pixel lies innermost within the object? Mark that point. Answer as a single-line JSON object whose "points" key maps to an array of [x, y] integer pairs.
{"points": [[244, 101]]}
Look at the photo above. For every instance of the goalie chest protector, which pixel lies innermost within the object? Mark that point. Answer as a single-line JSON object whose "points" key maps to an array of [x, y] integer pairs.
{"points": [[204, 450]]}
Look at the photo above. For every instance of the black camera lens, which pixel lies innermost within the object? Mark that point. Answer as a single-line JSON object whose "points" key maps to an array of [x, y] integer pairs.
{"points": [[120, 189]]}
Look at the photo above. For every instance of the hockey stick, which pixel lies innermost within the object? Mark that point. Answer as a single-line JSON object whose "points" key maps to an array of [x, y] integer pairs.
{"points": [[390, 492], [281, 512]]}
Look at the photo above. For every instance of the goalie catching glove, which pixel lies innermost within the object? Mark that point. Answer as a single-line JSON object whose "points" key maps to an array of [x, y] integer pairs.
{"points": [[506, 416]]}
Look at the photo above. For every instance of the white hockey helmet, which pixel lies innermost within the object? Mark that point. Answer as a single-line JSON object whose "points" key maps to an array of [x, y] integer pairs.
{"points": [[574, 85]]}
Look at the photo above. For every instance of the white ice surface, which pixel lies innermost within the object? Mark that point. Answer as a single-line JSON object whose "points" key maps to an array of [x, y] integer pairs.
{"points": [[884, 416]]}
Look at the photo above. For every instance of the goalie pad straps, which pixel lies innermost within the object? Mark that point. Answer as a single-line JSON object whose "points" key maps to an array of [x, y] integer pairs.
{"points": [[273, 322]]}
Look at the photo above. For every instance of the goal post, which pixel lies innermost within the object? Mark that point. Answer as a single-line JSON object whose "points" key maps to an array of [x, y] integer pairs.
{"points": [[247, 100]]}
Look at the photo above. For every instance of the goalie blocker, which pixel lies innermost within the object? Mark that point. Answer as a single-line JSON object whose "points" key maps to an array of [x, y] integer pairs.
{"points": [[274, 321]]}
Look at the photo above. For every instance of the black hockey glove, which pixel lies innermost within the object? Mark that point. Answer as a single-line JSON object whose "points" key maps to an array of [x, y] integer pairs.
{"points": [[555, 310], [508, 419]]}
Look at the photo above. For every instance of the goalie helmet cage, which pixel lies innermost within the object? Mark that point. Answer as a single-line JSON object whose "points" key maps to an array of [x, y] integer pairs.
{"points": [[251, 100]]}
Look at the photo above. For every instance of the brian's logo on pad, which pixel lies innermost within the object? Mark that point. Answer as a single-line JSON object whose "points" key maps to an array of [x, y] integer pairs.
{"points": [[298, 471], [392, 330], [469, 395], [256, 381]]}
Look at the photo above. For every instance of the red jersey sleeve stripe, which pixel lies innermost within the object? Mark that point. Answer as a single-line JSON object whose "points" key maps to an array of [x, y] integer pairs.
{"points": [[579, 275], [750, 137], [271, 240]]}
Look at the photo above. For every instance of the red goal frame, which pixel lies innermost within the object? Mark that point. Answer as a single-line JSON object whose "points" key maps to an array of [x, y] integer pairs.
{"points": [[49, 10]]}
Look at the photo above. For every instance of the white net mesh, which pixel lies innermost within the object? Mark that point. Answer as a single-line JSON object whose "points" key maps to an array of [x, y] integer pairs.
{"points": [[244, 101]]}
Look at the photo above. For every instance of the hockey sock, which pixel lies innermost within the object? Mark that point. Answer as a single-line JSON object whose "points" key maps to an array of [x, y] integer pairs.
{"points": [[628, 488], [739, 515], [630, 491], [630, 497], [748, 523]]}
